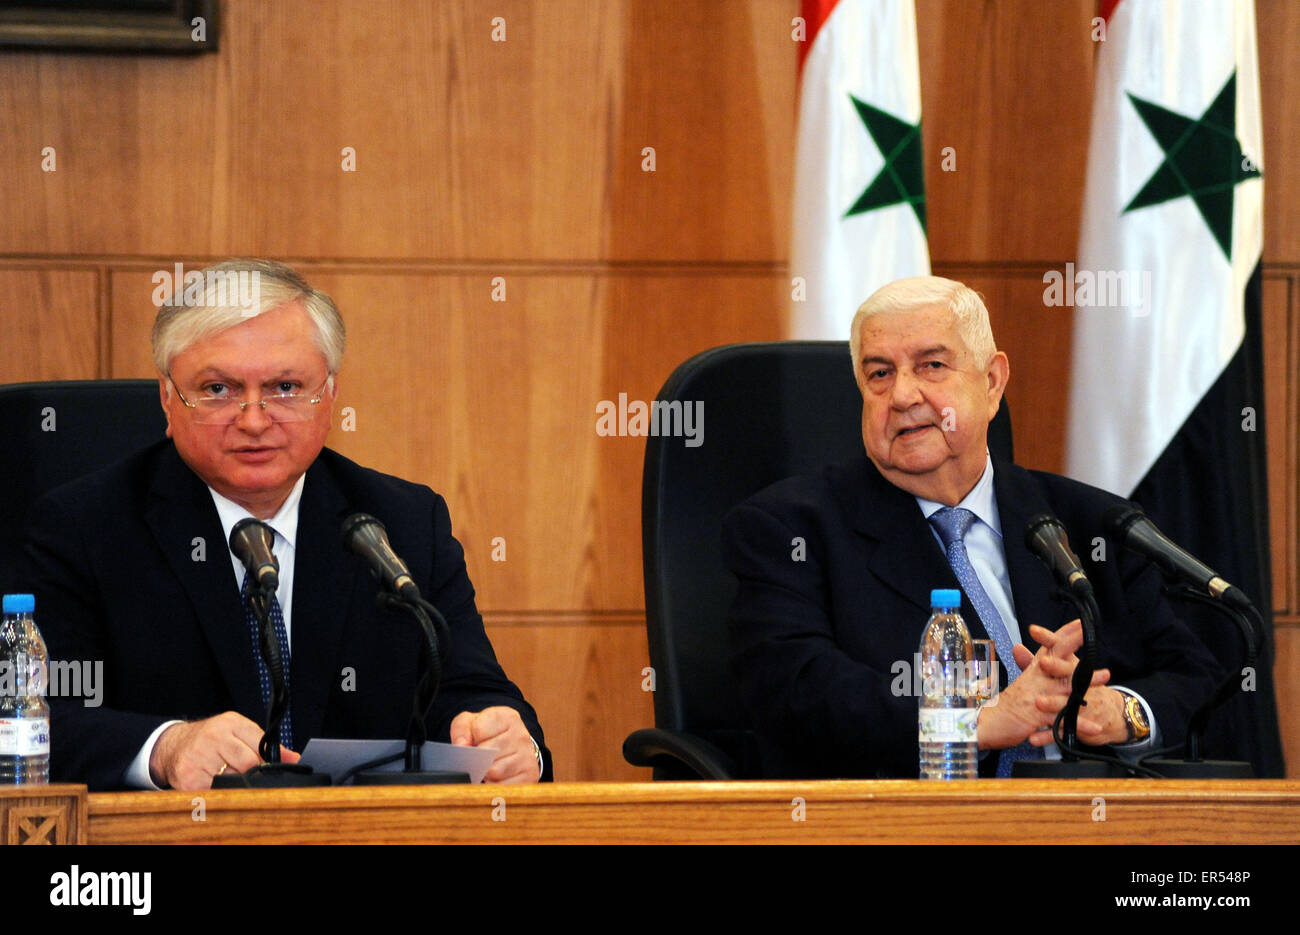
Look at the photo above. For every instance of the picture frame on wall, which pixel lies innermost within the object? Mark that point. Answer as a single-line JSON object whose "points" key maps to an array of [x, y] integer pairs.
{"points": [[160, 27]]}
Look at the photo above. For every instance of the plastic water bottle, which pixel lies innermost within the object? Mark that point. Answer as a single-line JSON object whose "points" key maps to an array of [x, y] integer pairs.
{"points": [[948, 710], [24, 713]]}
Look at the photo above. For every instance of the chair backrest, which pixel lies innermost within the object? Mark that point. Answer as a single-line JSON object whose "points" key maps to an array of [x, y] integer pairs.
{"points": [[771, 410], [56, 432]]}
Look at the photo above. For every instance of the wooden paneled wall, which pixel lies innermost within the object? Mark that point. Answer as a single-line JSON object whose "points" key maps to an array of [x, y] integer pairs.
{"points": [[518, 165]]}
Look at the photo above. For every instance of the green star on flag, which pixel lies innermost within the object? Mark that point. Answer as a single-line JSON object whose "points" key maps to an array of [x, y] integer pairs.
{"points": [[902, 179], [1203, 160]]}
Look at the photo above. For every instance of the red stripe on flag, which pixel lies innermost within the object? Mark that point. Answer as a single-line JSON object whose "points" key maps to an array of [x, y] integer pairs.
{"points": [[814, 13], [1105, 8]]}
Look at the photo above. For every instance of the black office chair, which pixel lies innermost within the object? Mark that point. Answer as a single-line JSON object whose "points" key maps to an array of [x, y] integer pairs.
{"points": [[56, 432], [771, 410]]}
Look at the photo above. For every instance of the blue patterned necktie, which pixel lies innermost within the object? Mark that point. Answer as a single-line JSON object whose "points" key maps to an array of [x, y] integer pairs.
{"points": [[952, 524], [263, 673]]}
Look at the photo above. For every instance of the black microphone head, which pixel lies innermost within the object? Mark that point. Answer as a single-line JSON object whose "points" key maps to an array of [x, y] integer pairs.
{"points": [[368, 538], [249, 527], [1119, 518], [355, 525], [252, 542], [1043, 531], [1045, 536]]}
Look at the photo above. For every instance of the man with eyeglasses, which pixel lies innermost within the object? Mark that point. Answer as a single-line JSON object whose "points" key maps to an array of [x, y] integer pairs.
{"points": [[130, 566]]}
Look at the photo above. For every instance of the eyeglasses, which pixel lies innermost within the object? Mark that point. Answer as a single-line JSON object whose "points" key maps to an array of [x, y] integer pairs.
{"points": [[279, 407]]}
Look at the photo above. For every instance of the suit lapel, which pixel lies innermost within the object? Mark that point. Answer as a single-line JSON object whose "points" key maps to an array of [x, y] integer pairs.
{"points": [[183, 520], [902, 551], [904, 555], [324, 592], [1032, 585]]}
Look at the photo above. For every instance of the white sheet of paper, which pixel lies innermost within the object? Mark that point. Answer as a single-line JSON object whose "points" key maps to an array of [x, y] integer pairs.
{"points": [[336, 757]]}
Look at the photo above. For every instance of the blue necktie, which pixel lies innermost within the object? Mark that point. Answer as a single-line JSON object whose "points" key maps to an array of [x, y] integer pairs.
{"points": [[952, 524], [263, 673]]}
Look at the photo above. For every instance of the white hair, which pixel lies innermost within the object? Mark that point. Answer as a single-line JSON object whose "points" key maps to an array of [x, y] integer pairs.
{"points": [[920, 292], [203, 309]]}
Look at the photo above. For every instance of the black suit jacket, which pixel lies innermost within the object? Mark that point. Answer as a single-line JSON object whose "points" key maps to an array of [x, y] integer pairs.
{"points": [[130, 568], [820, 646]]}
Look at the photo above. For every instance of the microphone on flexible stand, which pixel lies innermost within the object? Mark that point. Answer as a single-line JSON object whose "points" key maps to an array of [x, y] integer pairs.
{"points": [[251, 541], [367, 537], [1046, 538]]}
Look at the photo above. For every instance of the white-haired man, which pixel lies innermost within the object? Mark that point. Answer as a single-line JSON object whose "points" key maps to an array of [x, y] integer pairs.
{"points": [[821, 639], [130, 566]]}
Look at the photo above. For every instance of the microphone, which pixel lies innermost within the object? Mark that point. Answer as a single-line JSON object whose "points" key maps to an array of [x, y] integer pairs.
{"points": [[1131, 528], [1046, 538], [251, 541], [367, 537]]}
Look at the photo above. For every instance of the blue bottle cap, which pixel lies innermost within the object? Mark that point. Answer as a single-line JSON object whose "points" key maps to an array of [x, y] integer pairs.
{"points": [[19, 603], [945, 598]]}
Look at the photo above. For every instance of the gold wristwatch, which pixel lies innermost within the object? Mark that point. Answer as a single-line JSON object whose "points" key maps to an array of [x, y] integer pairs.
{"points": [[1135, 719]]}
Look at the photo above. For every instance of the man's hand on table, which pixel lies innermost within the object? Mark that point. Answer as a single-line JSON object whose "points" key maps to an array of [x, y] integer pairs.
{"points": [[189, 754], [500, 727]]}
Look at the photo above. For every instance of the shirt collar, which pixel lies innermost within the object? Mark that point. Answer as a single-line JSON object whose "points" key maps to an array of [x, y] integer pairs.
{"points": [[284, 522], [979, 501]]}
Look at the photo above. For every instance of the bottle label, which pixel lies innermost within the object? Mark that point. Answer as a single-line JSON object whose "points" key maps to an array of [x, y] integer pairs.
{"points": [[28, 736], [948, 725]]}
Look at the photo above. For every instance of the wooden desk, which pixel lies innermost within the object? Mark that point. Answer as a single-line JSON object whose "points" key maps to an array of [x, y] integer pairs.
{"points": [[1007, 811]]}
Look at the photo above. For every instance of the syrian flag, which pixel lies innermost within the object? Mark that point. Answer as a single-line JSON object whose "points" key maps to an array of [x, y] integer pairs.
{"points": [[1166, 394], [859, 190]]}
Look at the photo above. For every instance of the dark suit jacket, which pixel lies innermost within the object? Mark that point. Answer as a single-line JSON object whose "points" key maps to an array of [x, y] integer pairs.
{"points": [[130, 567], [816, 644]]}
